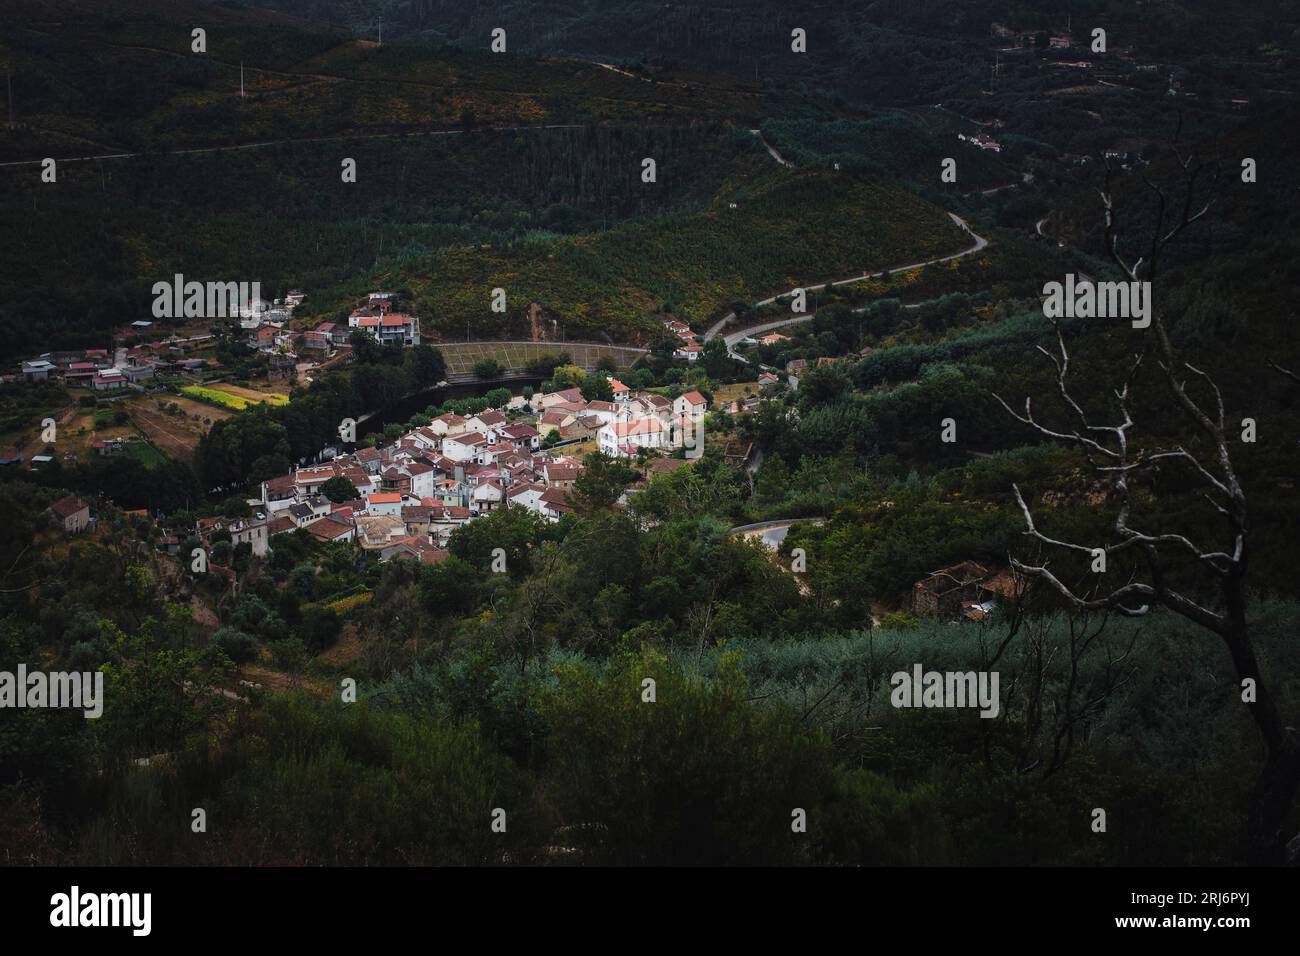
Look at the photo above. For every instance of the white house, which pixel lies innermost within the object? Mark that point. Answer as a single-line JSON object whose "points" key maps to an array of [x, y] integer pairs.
{"points": [[424, 479], [621, 392], [644, 406], [308, 481], [605, 411], [463, 447], [332, 527], [692, 405], [448, 424], [426, 439], [486, 422], [388, 329], [384, 503], [278, 493], [529, 495], [622, 439], [490, 454], [486, 496]]}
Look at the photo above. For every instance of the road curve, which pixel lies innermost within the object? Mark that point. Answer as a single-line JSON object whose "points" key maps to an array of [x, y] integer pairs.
{"points": [[734, 337]]}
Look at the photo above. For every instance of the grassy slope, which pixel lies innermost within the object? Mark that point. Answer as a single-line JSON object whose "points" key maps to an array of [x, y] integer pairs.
{"points": [[788, 227]]}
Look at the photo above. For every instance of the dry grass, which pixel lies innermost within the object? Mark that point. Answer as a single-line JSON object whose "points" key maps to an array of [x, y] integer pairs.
{"points": [[734, 392]]}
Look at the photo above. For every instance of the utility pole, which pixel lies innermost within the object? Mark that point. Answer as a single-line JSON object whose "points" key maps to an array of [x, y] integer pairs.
{"points": [[381, 29], [241, 79], [10, 97]]}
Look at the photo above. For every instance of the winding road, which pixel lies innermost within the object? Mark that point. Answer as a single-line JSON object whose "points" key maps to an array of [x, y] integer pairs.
{"points": [[734, 337]]}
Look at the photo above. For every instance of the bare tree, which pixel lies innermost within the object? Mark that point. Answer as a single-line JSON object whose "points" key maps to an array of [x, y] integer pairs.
{"points": [[1285, 371], [1111, 452]]}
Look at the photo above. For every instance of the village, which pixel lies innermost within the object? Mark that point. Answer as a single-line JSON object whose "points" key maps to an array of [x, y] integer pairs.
{"points": [[401, 495], [412, 494], [405, 498]]}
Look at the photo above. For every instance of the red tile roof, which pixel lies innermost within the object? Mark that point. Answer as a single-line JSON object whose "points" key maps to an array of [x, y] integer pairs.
{"points": [[65, 508]]}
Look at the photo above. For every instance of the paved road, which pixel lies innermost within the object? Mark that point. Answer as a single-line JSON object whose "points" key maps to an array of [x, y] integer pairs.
{"points": [[734, 337], [1038, 227], [1025, 179]]}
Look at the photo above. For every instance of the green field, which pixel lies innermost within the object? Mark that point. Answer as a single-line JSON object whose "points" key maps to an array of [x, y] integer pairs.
{"points": [[225, 399], [144, 453]]}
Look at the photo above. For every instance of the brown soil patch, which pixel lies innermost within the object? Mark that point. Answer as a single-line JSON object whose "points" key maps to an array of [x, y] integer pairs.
{"points": [[347, 648], [176, 435]]}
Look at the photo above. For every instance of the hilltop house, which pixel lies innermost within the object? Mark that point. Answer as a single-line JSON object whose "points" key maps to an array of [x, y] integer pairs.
{"points": [[71, 514]]}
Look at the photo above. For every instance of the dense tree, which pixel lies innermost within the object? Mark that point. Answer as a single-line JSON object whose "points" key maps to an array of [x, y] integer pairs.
{"points": [[339, 489]]}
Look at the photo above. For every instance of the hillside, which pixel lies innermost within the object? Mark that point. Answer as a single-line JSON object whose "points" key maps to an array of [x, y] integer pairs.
{"points": [[787, 228], [441, 204], [87, 79], [83, 253], [859, 51]]}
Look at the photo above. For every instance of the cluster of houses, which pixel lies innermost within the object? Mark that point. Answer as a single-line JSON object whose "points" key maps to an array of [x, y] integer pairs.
{"points": [[271, 330], [689, 347], [267, 327], [627, 426], [274, 332], [102, 371], [412, 494], [981, 140], [377, 316]]}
